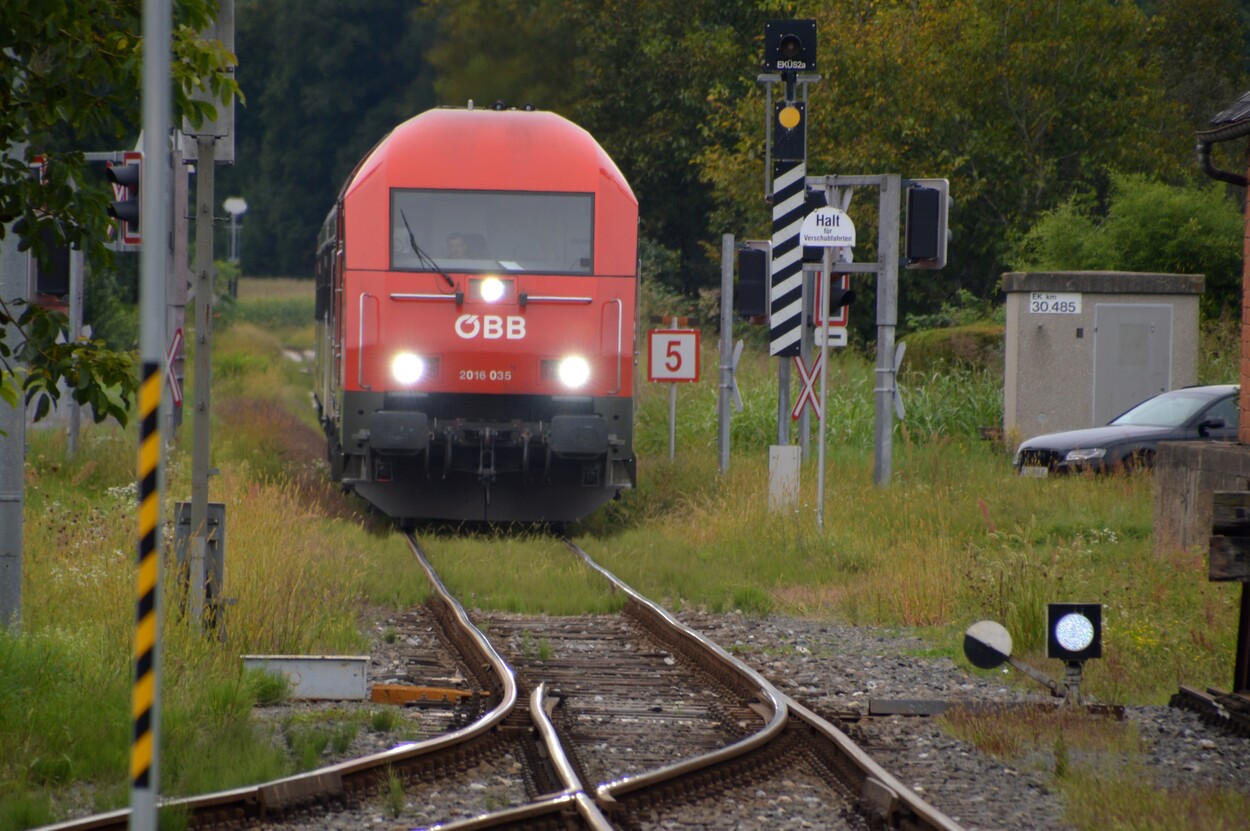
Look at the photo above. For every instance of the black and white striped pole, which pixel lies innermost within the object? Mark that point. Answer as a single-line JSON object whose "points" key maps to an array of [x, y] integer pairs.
{"points": [[785, 291], [789, 50]]}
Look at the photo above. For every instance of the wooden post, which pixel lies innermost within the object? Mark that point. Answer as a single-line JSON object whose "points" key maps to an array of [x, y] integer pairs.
{"points": [[1229, 560]]}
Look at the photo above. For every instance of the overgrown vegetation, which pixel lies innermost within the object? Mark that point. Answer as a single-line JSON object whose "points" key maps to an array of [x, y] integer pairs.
{"points": [[1101, 766], [954, 538]]}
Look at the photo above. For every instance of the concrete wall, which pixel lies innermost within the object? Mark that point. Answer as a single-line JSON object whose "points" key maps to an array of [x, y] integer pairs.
{"points": [[1048, 376], [1187, 474]]}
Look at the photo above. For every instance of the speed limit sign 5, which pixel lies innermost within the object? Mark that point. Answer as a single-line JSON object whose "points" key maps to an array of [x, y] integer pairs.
{"points": [[673, 355]]}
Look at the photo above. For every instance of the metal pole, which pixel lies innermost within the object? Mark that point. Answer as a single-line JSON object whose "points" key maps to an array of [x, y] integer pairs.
{"points": [[805, 353], [672, 422], [14, 276], [726, 346], [887, 319], [154, 220], [75, 331], [206, 147], [178, 281], [826, 267], [672, 415], [783, 400]]}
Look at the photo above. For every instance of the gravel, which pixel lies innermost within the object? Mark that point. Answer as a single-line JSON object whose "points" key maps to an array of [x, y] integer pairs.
{"points": [[841, 669], [835, 668]]}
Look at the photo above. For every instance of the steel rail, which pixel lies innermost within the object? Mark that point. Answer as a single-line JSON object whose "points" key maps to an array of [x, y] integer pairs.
{"points": [[775, 723], [895, 803], [540, 811], [330, 784]]}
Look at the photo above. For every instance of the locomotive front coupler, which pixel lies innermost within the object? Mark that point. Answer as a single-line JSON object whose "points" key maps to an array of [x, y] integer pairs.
{"points": [[486, 450]]}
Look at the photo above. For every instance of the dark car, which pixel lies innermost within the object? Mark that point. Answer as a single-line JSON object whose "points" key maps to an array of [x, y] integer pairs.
{"points": [[1129, 440]]}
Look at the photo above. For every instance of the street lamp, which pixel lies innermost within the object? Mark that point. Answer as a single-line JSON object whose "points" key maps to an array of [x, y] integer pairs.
{"points": [[236, 206]]}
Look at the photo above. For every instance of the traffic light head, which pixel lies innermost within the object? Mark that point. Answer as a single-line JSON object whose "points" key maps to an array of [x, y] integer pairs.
{"points": [[790, 45], [814, 199], [126, 179], [752, 294], [928, 204], [835, 310], [839, 298]]}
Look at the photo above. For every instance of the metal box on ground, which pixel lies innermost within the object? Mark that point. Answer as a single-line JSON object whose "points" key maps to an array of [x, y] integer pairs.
{"points": [[332, 677]]}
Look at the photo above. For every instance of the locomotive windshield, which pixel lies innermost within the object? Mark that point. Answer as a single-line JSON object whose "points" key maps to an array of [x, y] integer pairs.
{"points": [[459, 230]]}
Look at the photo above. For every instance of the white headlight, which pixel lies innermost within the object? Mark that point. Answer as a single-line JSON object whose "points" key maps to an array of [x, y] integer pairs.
{"points": [[1085, 454], [407, 368], [492, 289], [574, 372]]}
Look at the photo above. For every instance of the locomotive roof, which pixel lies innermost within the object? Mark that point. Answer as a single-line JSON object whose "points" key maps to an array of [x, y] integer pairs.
{"points": [[487, 149]]}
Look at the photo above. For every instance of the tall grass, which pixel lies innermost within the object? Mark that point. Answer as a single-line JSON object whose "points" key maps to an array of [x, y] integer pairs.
{"points": [[955, 537], [953, 402], [301, 563]]}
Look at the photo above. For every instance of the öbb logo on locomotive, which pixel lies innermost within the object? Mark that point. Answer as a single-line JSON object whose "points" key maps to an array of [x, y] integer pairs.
{"points": [[490, 327], [477, 285]]}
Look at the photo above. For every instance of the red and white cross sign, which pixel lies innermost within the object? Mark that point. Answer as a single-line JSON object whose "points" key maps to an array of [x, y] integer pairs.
{"points": [[809, 380]]}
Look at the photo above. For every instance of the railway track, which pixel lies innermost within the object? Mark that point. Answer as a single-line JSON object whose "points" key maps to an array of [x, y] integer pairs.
{"points": [[616, 721]]}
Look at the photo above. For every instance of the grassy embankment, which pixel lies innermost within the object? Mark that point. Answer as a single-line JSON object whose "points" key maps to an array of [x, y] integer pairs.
{"points": [[954, 538]]}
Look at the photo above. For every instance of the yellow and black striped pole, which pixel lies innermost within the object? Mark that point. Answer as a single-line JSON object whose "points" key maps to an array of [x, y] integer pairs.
{"points": [[143, 702], [154, 218]]}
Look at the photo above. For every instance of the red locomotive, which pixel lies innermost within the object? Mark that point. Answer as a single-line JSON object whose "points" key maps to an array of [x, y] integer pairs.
{"points": [[477, 296]]}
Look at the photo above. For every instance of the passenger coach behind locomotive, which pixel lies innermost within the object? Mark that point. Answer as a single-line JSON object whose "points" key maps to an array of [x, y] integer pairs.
{"points": [[477, 288]]}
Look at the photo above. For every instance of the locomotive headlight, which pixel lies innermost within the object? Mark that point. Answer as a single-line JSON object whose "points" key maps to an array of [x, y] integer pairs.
{"points": [[407, 368], [491, 289], [574, 371]]}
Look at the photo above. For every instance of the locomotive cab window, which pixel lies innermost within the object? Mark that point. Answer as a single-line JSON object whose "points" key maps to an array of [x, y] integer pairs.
{"points": [[495, 231]]}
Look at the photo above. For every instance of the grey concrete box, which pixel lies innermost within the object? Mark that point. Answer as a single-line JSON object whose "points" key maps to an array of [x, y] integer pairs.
{"points": [[1084, 346], [331, 677]]}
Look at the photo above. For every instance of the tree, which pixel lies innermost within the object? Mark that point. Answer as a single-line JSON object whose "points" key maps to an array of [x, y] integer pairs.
{"points": [[1201, 54], [326, 80], [1019, 104], [72, 71], [640, 76], [1148, 226]]}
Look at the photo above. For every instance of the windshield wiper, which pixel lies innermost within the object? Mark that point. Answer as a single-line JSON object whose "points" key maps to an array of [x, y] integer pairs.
{"points": [[422, 257]]}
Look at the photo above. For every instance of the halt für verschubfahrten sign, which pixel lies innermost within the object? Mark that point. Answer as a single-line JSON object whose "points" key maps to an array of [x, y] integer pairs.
{"points": [[828, 227]]}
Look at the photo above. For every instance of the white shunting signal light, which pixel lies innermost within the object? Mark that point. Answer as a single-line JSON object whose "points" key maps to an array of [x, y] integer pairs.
{"points": [[407, 368], [1074, 631], [574, 372]]}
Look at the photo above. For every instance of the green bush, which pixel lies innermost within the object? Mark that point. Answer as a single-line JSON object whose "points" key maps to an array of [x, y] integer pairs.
{"points": [[977, 346], [1146, 226]]}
